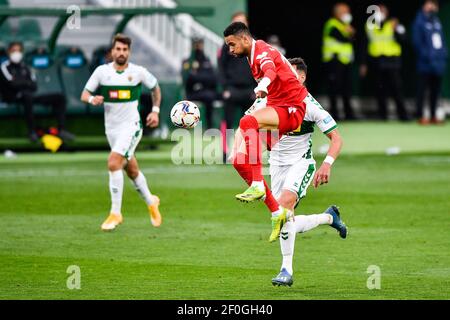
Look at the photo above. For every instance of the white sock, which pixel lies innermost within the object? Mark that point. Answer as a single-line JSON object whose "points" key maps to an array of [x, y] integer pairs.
{"points": [[289, 231], [140, 183], [259, 184], [305, 223], [116, 190], [287, 243]]}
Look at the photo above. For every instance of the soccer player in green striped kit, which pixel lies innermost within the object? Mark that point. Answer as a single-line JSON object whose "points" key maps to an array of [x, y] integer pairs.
{"points": [[293, 169], [119, 88]]}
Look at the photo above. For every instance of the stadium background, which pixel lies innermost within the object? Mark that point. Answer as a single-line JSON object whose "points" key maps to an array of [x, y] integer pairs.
{"points": [[96, 30]]}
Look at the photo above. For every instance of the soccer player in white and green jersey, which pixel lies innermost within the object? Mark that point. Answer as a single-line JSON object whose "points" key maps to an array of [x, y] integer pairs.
{"points": [[292, 169], [118, 85]]}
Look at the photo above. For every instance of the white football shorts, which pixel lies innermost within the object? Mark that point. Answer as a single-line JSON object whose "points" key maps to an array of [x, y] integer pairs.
{"points": [[125, 140], [295, 178]]}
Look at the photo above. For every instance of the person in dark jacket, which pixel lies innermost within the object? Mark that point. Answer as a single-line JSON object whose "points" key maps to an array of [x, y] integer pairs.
{"points": [[431, 52], [382, 51], [199, 79], [18, 85]]}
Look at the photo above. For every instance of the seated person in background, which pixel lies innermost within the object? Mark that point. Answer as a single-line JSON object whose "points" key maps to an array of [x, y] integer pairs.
{"points": [[199, 79], [101, 55], [18, 84]]}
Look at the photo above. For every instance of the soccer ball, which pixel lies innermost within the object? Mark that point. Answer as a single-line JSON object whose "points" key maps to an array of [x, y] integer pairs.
{"points": [[185, 114]]}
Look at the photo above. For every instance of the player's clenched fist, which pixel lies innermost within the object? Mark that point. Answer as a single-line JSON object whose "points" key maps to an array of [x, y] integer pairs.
{"points": [[96, 100], [322, 175], [153, 119]]}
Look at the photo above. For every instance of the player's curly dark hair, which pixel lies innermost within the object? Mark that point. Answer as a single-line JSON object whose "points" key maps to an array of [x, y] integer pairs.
{"points": [[119, 37], [300, 63], [236, 28]]}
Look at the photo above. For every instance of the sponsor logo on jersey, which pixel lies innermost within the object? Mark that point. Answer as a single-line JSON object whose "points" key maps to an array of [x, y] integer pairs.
{"points": [[119, 94], [262, 55]]}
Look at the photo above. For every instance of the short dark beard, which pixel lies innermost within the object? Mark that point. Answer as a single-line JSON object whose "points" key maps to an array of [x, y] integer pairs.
{"points": [[120, 63]]}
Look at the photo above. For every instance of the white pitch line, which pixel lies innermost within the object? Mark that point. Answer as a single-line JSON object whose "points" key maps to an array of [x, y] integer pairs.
{"points": [[29, 173]]}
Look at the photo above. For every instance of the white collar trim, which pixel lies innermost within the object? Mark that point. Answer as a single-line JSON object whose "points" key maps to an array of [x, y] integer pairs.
{"points": [[253, 51]]}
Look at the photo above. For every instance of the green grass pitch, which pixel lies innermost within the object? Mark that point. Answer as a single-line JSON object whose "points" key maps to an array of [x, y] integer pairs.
{"points": [[213, 247]]}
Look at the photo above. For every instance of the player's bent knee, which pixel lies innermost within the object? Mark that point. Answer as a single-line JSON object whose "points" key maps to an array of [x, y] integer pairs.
{"points": [[115, 162], [288, 199], [114, 166], [248, 122]]}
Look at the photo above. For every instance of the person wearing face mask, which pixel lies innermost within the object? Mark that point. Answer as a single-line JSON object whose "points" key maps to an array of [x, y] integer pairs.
{"points": [[431, 53], [199, 79], [18, 85], [382, 51], [338, 56]]}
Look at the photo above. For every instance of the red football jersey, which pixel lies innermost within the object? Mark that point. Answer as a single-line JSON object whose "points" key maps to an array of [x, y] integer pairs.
{"points": [[285, 90]]}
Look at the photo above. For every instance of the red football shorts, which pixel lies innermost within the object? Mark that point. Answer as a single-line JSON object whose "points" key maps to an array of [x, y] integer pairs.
{"points": [[290, 118]]}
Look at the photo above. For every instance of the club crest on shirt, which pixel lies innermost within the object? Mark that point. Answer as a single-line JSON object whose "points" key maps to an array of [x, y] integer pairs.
{"points": [[130, 78]]}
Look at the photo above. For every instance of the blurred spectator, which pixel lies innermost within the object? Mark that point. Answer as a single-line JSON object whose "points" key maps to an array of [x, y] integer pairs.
{"points": [[431, 52], [199, 79], [275, 42], [18, 85], [101, 55], [236, 80], [338, 57], [383, 51]]}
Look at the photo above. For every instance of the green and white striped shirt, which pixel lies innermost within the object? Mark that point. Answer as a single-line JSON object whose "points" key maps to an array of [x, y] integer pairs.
{"points": [[121, 91]]}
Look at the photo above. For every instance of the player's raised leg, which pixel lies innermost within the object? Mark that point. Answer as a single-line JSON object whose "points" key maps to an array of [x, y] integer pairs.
{"points": [[279, 214], [301, 224], [266, 118], [140, 183], [115, 165]]}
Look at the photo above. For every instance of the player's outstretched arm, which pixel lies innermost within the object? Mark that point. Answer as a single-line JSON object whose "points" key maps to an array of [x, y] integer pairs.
{"points": [[153, 117], [323, 174], [86, 97]]}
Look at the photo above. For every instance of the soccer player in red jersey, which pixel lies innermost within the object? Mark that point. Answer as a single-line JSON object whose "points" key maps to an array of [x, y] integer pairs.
{"points": [[278, 82]]}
